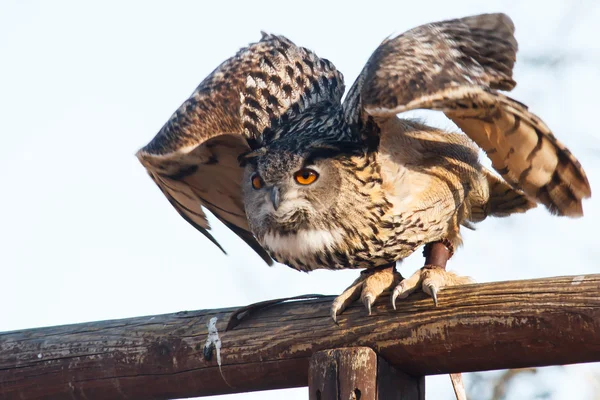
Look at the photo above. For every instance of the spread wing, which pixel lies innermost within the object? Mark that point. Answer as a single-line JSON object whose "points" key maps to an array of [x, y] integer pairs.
{"points": [[457, 67], [194, 157]]}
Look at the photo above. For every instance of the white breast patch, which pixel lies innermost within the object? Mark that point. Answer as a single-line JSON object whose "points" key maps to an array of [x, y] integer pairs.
{"points": [[303, 242]]}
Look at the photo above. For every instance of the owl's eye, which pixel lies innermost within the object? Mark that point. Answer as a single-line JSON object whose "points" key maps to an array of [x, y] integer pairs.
{"points": [[305, 176], [257, 182]]}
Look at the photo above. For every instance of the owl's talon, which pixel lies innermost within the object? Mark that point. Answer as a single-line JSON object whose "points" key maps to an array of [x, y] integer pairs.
{"points": [[346, 298], [430, 288], [434, 295], [369, 285], [368, 301], [430, 279], [341, 302], [400, 292]]}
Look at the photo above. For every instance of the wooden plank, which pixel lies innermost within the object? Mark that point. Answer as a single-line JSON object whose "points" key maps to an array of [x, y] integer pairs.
{"points": [[475, 327]]}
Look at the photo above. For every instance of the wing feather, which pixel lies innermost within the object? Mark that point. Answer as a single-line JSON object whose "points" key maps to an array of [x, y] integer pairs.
{"points": [[457, 67], [194, 157]]}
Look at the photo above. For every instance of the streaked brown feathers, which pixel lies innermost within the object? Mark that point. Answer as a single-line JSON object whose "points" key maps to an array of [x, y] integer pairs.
{"points": [[194, 157], [456, 67], [500, 200], [393, 185]]}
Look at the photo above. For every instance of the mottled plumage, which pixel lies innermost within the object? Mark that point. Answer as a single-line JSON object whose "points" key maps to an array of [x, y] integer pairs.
{"points": [[380, 186]]}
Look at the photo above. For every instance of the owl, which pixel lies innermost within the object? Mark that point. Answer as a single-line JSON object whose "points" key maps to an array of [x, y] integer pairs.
{"points": [[266, 144]]}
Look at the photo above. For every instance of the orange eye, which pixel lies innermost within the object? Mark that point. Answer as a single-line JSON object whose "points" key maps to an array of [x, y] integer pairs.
{"points": [[305, 176], [257, 182]]}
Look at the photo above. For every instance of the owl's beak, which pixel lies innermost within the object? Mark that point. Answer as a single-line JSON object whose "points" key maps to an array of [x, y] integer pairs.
{"points": [[275, 197]]}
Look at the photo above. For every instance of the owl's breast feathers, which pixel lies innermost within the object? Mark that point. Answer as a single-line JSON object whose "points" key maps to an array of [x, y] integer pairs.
{"points": [[418, 186], [360, 230]]}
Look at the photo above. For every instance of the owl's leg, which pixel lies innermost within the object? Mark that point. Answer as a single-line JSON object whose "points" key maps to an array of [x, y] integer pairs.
{"points": [[369, 285], [433, 276]]}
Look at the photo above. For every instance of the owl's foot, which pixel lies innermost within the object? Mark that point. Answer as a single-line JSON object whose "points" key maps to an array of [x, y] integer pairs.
{"points": [[430, 279], [369, 285]]}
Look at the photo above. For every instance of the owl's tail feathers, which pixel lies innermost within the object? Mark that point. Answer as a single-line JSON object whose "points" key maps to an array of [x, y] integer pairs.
{"points": [[524, 151], [502, 200]]}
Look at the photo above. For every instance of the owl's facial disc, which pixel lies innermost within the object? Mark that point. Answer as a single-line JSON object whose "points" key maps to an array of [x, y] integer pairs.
{"points": [[285, 193]]}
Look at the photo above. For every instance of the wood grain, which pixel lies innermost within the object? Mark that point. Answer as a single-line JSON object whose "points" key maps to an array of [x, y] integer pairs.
{"points": [[349, 373], [475, 327]]}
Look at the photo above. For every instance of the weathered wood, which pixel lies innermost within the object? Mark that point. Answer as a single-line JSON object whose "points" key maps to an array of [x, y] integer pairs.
{"points": [[358, 373], [458, 386], [348, 373], [393, 384], [475, 327]]}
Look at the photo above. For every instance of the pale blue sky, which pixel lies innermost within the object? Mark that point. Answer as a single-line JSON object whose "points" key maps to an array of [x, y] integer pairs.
{"points": [[84, 233]]}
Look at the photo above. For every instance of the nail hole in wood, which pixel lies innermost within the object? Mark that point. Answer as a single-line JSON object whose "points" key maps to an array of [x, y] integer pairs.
{"points": [[356, 394], [318, 395]]}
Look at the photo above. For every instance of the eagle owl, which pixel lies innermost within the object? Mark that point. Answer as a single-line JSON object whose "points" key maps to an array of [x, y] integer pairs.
{"points": [[266, 144]]}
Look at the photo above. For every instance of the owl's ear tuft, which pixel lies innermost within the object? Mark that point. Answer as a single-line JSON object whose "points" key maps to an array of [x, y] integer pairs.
{"points": [[251, 156]]}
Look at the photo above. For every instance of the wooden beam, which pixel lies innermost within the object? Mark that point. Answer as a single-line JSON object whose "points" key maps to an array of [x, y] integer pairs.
{"points": [[475, 327]]}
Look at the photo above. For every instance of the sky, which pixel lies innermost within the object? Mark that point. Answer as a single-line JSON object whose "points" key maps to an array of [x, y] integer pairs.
{"points": [[85, 235]]}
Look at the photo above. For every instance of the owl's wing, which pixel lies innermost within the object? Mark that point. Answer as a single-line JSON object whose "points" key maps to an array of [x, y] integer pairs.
{"points": [[194, 157], [457, 66]]}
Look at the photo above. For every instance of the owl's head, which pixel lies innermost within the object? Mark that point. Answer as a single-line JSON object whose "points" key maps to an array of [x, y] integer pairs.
{"points": [[288, 187]]}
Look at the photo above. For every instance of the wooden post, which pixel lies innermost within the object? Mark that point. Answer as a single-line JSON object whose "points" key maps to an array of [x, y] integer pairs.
{"points": [[358, 373], [393, 384]]}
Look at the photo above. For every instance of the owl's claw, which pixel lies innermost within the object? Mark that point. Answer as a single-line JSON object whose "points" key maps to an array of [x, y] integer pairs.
{"points": [[395, 294], [431, 290], [430, 279], [368, 301], [369, 285], [434, 295], [406, 287], [345, 299]]}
